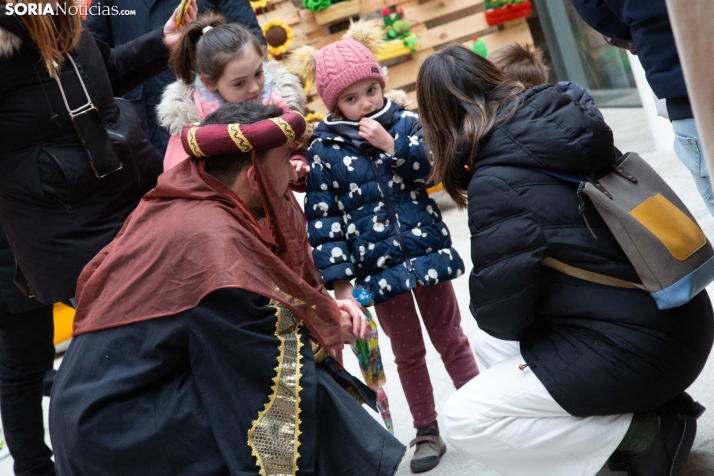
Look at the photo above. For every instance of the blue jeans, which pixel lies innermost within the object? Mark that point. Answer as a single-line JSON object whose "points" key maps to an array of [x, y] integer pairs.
{"points": [[688, 149]]}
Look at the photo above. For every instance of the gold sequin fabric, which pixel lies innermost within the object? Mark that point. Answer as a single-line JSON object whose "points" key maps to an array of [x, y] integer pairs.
{"points": [[274, 436]]}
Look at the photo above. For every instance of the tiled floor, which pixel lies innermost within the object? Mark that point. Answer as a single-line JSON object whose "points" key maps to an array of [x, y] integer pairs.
{"points": [[631, 133]]}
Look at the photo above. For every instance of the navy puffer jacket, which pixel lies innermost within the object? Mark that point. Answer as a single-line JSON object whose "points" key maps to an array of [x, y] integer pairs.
{"points": [[354, 200]]}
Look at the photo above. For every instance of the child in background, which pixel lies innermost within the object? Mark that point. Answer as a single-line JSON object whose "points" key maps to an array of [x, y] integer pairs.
{"points": [[526, 66], [217, 62], [371, 219]]}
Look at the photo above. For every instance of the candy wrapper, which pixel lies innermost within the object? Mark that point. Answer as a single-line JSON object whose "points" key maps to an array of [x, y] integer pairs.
{"points": [[370, 360]]}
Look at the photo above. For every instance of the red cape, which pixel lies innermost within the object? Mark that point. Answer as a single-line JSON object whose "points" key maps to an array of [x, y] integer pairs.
{"points": [[192, 235]]}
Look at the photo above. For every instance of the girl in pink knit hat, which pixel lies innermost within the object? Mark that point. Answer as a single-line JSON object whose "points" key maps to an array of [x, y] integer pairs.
{"points": [[370, 219], [218, 62]]}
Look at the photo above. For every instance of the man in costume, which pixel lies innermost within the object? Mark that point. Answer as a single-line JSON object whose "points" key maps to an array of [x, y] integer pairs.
{"points": [[205, 342]]}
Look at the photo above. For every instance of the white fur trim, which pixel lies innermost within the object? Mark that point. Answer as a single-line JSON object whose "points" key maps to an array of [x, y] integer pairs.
{"points": [[397, 96], [177, 108], [9, 43], [287, 86]]}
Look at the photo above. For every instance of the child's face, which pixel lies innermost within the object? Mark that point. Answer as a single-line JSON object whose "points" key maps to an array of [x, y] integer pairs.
{"points": [[243, 78], [361, 99]]}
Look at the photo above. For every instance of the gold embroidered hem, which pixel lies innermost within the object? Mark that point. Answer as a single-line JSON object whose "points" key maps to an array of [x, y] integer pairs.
{"points": [[274, 436], [319, 351]]}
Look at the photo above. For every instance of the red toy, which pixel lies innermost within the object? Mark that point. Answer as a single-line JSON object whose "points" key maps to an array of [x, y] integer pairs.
{"points": [[501, 11]]}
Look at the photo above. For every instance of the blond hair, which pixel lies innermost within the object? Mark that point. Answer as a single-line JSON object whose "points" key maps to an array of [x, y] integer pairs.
{"points": [[519, 63], [54, 35]]}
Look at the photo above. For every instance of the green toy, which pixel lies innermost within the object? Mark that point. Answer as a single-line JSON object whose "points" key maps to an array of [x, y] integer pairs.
{"points": [[479, 47], [316, 5], [488, 4]]}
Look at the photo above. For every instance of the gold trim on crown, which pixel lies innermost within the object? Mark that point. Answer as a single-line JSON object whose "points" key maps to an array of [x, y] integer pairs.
{"points": [[285, 127], [193, 144], [239, 138]]}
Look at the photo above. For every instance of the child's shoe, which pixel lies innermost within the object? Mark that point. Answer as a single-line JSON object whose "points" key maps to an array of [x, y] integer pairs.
{"points": [[429, 448]]}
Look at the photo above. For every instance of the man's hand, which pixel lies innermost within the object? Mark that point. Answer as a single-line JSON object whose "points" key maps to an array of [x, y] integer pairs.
{"points": [[172, 33], [353, 322], [373, 132], [301, 168]]}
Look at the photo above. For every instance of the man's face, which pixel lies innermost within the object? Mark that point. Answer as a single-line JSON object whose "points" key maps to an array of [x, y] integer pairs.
{"points": [[279, 171]]}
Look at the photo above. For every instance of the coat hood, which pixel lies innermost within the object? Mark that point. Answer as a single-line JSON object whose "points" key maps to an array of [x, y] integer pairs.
{"points": [[549, 131], [177, 108]]}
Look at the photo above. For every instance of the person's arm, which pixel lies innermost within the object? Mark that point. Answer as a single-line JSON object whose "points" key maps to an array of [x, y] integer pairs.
{"points": [[602, 19], [331, 251], [133, 63], [240, 11], [409, 160], [101, 25], [507, 247]]}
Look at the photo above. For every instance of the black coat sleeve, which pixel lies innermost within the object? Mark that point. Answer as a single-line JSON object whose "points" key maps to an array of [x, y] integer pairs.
{"points": [[240, 11], [601, 18], [133, 63], [101, 25], [507, 247]]}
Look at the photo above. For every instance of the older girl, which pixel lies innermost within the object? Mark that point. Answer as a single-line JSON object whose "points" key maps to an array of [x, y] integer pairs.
{"points": [[218, 62], [576, 370]]}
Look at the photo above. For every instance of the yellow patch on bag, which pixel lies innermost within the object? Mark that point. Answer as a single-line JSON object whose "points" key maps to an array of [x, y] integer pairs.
{"points": [[679, 233]]}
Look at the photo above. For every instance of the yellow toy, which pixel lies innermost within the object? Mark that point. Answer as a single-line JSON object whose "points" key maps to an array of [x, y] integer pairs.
{"points": [[64, 319]]}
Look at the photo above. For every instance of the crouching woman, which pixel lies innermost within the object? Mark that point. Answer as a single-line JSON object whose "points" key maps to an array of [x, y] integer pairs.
{"points": [[578, 372]]}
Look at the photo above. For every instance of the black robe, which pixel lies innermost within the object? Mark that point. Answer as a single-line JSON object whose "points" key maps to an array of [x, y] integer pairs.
{"points": [[179, 394]]}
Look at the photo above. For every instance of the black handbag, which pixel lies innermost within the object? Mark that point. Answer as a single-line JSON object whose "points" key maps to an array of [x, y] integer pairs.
{"points": [[92, 131]]}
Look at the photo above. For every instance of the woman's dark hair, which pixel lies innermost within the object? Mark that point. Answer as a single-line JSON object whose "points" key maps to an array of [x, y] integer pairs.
{"points": [[226, 168], [207, 54], [461, 97]]}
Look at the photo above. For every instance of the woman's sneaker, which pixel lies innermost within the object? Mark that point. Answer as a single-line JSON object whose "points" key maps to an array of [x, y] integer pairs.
{"points": [[429, 448], [683, 404], [668, 453]]}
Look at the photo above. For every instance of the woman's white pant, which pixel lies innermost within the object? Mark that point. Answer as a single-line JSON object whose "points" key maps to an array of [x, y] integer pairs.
{"points": [[507, 420]]}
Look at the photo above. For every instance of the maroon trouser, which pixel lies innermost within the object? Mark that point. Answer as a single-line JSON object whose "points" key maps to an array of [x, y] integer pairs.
{"points": [[440, 312]]}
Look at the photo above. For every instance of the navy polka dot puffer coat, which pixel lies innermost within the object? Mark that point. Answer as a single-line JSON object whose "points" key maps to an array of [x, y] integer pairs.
{"points": [[369, 215]]}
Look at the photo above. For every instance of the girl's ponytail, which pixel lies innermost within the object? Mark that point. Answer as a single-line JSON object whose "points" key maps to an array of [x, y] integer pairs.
{"points": [[183, 57]]}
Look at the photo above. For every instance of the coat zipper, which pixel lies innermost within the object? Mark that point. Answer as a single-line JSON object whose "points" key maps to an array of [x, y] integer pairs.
{"points": [[392, 215]]}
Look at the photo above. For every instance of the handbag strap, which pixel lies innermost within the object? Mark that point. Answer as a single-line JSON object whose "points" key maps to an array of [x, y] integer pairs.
{"points": [[589, 275], [83, 107]]}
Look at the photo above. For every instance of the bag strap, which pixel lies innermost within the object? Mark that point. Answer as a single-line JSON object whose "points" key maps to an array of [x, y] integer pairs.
{"points": [[561, 176], [589, 275], [82, 108]]}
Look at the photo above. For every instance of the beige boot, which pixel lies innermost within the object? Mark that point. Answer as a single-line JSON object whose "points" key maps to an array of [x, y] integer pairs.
{"points": [[429, 448]]}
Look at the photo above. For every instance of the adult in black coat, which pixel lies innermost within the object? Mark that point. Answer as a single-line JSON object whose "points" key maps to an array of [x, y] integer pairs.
{"points": [[598, 351], [116, 30], [55, 212], [647, 26], [26, 354]]}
